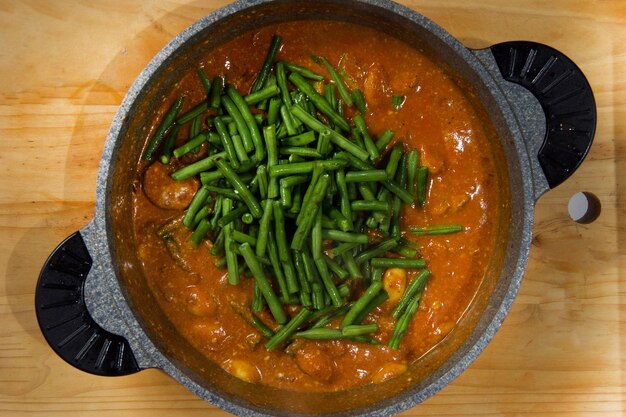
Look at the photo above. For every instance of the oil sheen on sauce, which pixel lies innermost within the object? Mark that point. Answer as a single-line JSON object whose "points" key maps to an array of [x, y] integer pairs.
{"points": [[435, 118]]}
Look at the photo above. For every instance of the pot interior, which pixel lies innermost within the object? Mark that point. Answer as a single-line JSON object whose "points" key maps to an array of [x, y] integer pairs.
{"points": [[438, 366]]}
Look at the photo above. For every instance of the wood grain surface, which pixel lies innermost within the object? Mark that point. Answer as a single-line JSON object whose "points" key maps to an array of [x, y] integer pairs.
{"points": [[64, 69]]}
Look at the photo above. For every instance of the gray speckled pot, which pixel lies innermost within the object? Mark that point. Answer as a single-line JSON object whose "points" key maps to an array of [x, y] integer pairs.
{"points": [[520, 112]]}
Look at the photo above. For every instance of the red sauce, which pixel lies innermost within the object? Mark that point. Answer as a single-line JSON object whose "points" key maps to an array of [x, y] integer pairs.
{"points": [[436, 118]]}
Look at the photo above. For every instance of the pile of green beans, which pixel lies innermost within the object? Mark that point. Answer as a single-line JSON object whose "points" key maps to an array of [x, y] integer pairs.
{"points": [[299, 195]]}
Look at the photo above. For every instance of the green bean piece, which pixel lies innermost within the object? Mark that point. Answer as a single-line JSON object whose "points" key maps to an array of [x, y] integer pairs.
{"points": [[217, 211], [436, 230], [240, 150], [305, 72], [168, 145], [344, 198], [328, 223], [284, 253], [343, 248], [194, 112], [330, 94], [398, 263], [242, 106], [261, 175], [331, 289], [384, 139], [377, 274], [159, 133], [304, 167], [241, 188], [376, 301], [242, 124], [258, 302], [340, 220], [243, 238], [286, 184], [231, 257], [397, 102], [303, 139], [358, 139], [267, 64], [317, 296], [217, 87], [322, 333], [273, 111], [334, 266], [319, 101], [377, 250], [198, 200], [323, 144], [288, 330], [369, 205], [315, 176], [264, 227], [272, 251], [339, 236], [416, 286], [218, 245], [336, 138], [262, 327], [329, 314], [373, 175], [226, 192], [281, 80], [232, 216], [273, 303], [401, 176], [196, 127], [355, 162], [203, 213], [206, 83], [405, 251], [303, 152], [190, 145], [403, 323], [227, 142], [263, 94], [308, 212], [351, 266], [396, 189], [360, 304], [334, 75], [288, 120], [370, 146], [269, 134], [359, 101], [359, 329], [301, 272], [413, 163], [203, 227], [297, 196], [422, 185], [309, 267], [394, 160], [220, 263], [316, 236]]}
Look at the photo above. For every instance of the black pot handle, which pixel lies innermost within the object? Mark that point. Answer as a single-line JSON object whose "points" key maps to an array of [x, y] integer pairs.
{"points": [[565, 96], [65, 321]]}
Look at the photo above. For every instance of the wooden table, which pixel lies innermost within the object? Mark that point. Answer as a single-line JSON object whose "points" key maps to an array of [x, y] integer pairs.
{"points": [[64, 69]]}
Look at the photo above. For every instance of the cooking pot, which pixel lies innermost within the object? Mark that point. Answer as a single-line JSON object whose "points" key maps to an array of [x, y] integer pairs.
{"points": [[92, 301]]}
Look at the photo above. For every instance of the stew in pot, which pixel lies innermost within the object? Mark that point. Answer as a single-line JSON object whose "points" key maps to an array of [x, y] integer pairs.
{"points": [[314, 205]]}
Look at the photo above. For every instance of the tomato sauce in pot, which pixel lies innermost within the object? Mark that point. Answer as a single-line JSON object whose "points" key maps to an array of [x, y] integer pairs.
{"points": [[435, 117]]}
